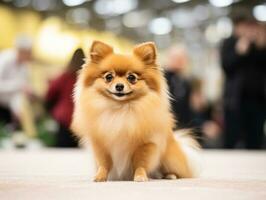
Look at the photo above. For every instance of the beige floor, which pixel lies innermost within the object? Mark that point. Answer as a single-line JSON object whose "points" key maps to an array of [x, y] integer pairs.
{"points": [[66, 174]]}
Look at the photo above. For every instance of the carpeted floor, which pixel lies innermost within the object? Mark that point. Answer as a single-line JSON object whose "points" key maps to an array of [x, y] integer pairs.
{"points": [[66, 174]]}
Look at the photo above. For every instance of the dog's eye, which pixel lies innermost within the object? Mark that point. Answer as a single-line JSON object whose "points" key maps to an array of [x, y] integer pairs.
{"points": [[132, 78], [109, 77]]}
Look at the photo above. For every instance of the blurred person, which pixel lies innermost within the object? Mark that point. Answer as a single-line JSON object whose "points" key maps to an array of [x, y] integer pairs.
{"points": [[243, 59], [179, 86], [59, 100], [5, 115], [204, 123], [14, 81]]}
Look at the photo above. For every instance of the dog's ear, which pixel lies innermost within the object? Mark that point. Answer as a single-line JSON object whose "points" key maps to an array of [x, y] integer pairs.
{"points": [[146, 52], [99, 50]]}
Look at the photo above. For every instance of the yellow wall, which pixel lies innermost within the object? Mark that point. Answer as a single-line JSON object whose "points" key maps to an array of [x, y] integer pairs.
{"points": [[54, 41]]}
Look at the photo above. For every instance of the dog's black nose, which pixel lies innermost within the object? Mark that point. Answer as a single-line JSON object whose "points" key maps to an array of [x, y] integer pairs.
{"points": [[119, 87]]}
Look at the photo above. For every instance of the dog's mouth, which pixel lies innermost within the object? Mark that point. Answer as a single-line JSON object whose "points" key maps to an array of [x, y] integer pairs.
{"points": [[120, 94]]}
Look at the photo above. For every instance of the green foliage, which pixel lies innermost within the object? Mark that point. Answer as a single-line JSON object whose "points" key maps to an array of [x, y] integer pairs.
{"points": [[3, 131], [46, 129]]}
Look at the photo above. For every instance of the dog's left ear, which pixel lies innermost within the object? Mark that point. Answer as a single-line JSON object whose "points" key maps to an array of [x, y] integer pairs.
{"points": [[146, 52], [99, 50]]}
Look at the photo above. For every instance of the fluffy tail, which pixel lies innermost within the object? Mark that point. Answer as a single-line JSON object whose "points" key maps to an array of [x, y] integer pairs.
{"points": [[191, 149]]}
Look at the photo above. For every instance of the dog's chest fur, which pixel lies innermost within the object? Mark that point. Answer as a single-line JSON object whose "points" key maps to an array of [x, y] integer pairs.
{"points": [[123, 129], [119, 127]]}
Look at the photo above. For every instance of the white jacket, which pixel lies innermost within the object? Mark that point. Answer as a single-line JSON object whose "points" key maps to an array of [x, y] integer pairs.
{"points": [[13, 78]]}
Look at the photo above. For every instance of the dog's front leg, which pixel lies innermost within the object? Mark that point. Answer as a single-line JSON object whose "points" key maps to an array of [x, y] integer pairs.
{"points": [[103, 161], [145, 159]]}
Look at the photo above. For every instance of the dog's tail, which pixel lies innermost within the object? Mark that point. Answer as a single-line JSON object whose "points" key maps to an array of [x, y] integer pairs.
{"points": [[191, 151]]}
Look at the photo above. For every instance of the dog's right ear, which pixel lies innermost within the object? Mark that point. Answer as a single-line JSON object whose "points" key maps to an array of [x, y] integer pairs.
{"points": [[99, 50]]}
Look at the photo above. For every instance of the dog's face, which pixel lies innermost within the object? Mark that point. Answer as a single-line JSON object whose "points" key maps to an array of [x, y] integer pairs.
{"points": [[122, 77]]}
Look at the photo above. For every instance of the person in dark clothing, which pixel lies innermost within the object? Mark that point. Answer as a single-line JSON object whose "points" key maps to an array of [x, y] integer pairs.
{"points": [[5, 115], [243, 59], [179, 89], [179, 86], [60, 103], [204, 116]]}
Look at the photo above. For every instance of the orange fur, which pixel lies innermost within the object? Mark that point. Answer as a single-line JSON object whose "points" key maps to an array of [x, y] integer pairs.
{"points": [[131, 136]]}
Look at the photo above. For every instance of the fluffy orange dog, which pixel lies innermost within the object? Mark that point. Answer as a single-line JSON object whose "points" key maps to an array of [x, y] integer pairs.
{"points": [[122, 108]]}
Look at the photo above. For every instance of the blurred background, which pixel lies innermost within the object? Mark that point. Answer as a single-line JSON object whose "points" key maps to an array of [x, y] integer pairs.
{"points": [[213, 53]]}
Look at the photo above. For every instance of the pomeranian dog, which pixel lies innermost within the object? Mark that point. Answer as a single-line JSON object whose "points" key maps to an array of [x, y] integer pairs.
{"points": [[122, 107]]}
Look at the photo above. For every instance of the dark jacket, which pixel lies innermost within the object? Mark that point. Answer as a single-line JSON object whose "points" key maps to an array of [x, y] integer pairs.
{"points": [[179, 89], [245, 75]]}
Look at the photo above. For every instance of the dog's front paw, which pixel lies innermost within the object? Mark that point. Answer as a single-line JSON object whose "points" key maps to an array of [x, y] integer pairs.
{"points": [[140, 178], [99, 178], [101, 175], [140, 175]]}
